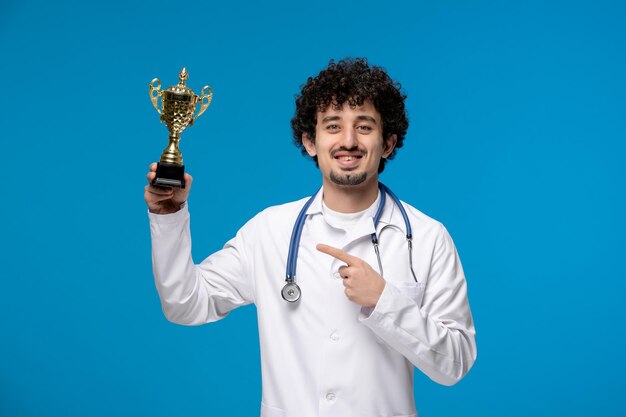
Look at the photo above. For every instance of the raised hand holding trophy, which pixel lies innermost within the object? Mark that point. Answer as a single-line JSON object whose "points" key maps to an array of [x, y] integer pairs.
{"points": [[179, 104]]}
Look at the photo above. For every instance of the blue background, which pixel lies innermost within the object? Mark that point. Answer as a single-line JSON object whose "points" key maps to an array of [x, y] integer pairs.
{"points": [[517, 144]]}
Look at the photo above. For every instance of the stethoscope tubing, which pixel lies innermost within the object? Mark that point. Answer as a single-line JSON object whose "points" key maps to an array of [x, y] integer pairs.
{"points": [[407, 223], [294, 244]]}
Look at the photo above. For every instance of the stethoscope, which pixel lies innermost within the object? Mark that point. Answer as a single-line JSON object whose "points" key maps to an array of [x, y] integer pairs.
{"points": [[291, 291]]}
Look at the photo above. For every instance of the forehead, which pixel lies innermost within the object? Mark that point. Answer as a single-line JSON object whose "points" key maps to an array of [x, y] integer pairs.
{"points": [[347, 112]]}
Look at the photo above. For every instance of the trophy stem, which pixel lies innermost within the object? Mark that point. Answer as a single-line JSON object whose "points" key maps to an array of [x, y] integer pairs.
{"points": [[171, 154]]}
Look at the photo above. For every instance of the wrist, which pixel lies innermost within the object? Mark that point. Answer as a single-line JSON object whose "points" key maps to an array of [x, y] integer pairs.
{"points": [[170, 208], [379, 292]]}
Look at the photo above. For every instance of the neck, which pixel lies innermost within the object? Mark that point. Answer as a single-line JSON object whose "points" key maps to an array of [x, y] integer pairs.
{"points": [[350, 199]]}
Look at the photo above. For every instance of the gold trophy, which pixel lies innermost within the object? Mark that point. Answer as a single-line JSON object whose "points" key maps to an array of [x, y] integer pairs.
{"points": [[179, 104]]}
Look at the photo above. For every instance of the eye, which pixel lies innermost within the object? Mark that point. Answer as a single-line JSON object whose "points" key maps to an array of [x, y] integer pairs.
{"points": [[332, 128], [364, 128]]}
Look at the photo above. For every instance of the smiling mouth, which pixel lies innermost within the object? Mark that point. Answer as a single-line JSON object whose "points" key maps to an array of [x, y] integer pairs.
{"points": [[348, 157], [348, 162]]}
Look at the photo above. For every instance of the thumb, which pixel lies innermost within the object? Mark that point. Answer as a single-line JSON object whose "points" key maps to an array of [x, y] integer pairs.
{"points": [[181, 194], [188, 180]]}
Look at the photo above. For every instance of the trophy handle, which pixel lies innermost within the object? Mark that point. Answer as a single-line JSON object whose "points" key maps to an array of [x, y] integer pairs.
{"points": [[205, 100], [155, 92]]}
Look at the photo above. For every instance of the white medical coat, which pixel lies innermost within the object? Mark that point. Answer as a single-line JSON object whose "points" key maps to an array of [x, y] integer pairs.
{"points": [[324, 355]]}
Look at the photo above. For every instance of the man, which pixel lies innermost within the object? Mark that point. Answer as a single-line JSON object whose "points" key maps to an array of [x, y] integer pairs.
{"points": [[366, 317]]}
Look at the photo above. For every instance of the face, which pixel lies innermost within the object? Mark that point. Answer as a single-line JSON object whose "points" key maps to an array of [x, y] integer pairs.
{"points": [[349, 145]]}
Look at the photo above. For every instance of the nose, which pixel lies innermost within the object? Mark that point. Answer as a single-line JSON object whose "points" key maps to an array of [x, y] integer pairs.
{"points": [[349, 139]]}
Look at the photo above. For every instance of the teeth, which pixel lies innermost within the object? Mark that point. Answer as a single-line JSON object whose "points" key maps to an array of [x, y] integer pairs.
{"points": [[347, 158]]}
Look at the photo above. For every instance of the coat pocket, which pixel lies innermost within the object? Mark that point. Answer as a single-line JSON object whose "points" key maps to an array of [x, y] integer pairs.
{"points": [[413, 290], [267, 411]]}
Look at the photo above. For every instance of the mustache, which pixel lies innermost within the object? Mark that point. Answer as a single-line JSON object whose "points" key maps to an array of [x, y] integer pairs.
{"points": [[363, 152]]}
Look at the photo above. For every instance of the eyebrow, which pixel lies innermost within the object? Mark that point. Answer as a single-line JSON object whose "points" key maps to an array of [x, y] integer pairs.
{"points": [[330, 119], [366, 118], [335, 118]]}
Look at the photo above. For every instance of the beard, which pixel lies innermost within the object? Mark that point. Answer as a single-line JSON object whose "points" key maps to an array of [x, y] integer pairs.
{"points": [[348, 179]]}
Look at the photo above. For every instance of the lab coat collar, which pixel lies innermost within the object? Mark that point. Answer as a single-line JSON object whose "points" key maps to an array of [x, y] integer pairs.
{"points": [[316, 205]]}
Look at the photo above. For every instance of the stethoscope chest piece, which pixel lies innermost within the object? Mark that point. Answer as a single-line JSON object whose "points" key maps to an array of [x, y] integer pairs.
{"points": [[291, 292]]}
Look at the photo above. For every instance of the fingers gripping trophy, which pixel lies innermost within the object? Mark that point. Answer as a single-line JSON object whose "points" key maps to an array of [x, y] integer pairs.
{"points": [[179, 103]]}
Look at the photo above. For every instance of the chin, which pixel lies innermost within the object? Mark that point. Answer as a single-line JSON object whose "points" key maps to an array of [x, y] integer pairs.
{"points": [[348, 179]]}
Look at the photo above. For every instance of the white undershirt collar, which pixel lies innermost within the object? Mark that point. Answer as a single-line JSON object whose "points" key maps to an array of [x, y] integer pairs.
{"points": [[347, 221]]}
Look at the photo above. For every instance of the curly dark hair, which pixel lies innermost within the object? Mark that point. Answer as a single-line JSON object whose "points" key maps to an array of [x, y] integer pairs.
{"points": [[353, 81]]}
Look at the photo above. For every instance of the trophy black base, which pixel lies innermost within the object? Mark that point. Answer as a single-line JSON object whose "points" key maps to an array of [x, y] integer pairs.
{"points": [[169, 176]]}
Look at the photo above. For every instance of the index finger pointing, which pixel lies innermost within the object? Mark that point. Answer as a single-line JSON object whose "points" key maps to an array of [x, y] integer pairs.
{"points": [[338, 253]]}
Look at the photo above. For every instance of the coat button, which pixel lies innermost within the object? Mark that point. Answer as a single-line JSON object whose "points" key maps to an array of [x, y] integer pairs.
{"points": [[330, 396], [334, 336]]}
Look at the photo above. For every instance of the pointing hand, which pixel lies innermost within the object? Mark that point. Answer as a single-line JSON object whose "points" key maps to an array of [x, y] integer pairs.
{"points": [[363, 285]]}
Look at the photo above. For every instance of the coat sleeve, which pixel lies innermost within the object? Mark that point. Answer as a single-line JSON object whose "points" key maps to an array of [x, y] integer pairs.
{"points": [[437, 334], [195, 294]]}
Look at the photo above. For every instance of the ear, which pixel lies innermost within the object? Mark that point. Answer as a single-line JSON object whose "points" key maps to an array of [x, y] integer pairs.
{"points": [[389, 144], [309, 145]]}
